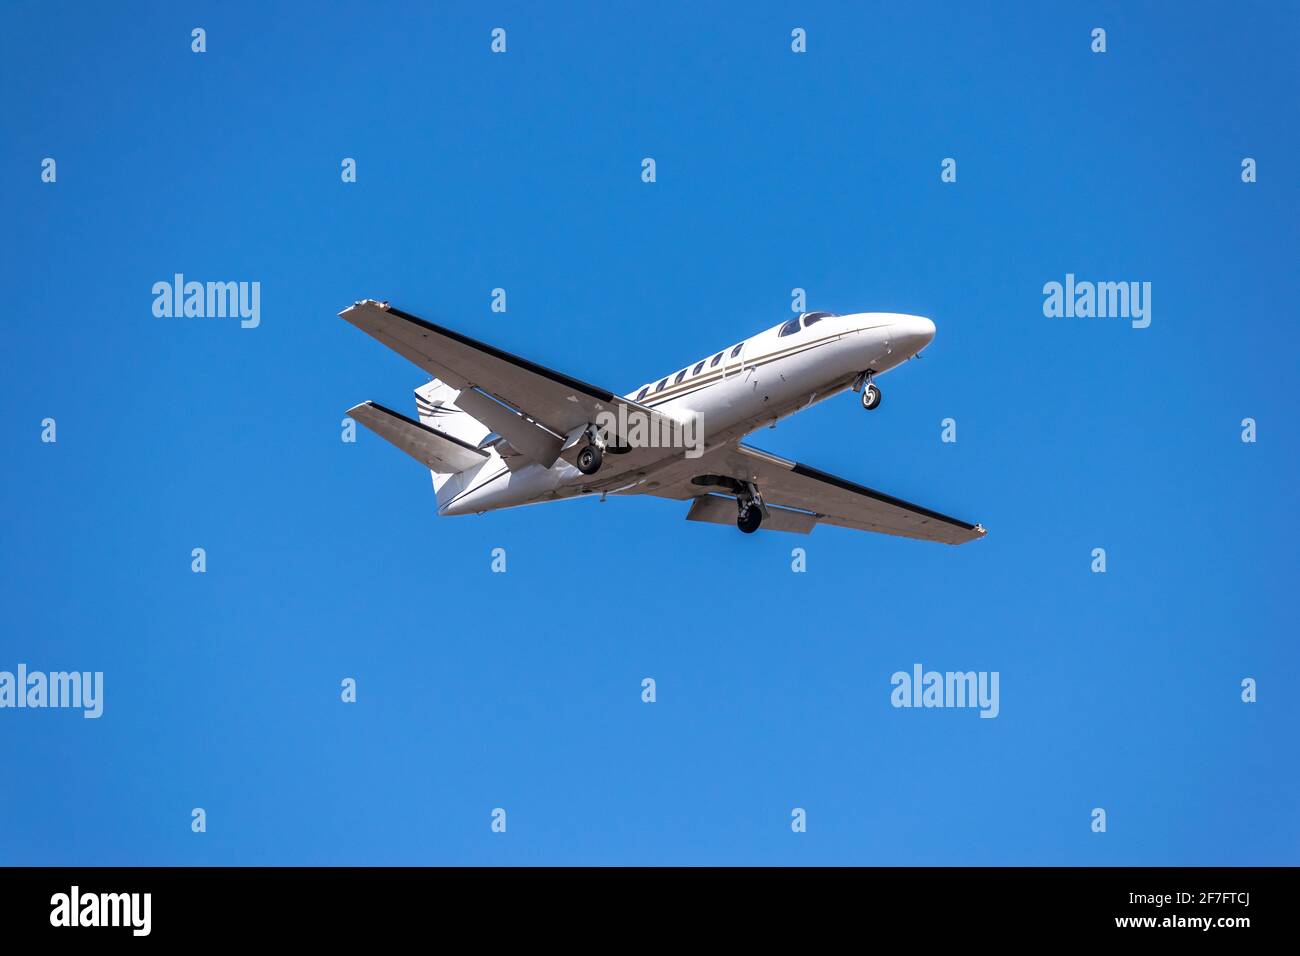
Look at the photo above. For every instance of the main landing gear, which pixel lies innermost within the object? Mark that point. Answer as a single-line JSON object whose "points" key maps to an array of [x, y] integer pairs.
{"points": [[870, 394], [590, 459], [592, 454], [749, 505], [750, 510]]}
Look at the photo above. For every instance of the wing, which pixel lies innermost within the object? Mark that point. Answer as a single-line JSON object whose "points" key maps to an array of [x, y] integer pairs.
{"points": [[814, 496], [436, 450], [535, 409]]}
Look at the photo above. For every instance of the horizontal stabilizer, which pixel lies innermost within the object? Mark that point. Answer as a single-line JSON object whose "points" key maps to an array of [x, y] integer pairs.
{"points": [[720, 510], [436, 450]]}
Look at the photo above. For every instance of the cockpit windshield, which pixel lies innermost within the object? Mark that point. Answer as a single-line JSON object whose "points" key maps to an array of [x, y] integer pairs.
{"points": [[805, 320]]}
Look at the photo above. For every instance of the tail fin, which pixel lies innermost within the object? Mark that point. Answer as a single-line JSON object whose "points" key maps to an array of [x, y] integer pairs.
{"points": [[436, 404]]}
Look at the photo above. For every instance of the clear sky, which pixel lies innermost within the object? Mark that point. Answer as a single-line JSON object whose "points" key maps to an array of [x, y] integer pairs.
{"points": [[775, 170]]}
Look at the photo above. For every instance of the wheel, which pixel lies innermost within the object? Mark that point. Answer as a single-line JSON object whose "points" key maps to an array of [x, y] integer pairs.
{"points": [[749, 519], [870, 397], [589, 460]]}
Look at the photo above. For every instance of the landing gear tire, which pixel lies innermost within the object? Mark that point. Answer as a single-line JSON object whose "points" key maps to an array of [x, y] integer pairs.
{"points": [[749, 519], [870, 397], [589, 460]]}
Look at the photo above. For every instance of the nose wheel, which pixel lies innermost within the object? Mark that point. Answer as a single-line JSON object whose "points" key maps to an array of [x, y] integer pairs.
{"points": [[870, 394]]}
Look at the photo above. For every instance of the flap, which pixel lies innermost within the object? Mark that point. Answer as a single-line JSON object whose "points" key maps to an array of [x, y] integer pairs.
{"points": [[720, 510]]}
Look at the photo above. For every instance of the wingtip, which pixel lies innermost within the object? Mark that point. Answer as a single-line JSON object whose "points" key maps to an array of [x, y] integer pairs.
{"points": [[381, 305]]}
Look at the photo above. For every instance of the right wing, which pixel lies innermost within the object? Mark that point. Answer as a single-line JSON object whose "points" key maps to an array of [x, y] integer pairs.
{"points": [[815, 497]]}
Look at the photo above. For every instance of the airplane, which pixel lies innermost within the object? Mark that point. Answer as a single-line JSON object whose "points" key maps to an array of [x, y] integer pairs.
{"points": [[498, 431]]}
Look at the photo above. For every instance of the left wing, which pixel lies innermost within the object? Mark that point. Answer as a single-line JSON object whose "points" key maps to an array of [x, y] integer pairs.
{"points": [[534, 408], [815, 497]]}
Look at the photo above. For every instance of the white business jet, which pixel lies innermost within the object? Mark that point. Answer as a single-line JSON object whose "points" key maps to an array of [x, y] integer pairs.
{"points": [[497, 430]]}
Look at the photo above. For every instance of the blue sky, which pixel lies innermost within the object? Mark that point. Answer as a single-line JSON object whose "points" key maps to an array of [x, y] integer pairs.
{"points": [[522, 690]]}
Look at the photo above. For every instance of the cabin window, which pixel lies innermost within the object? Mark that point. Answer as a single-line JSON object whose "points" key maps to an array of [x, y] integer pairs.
{"points": [[641, 394], [789, 328], [680, 375], [716, 359], [696, 370], [660, 386], [736, 350]]}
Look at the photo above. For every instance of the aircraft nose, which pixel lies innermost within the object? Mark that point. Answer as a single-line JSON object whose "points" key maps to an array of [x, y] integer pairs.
{"points": [[911, 333]]}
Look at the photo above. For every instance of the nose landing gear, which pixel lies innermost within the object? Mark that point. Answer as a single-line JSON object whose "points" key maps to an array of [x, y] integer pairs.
{"points": [[870, 394]]}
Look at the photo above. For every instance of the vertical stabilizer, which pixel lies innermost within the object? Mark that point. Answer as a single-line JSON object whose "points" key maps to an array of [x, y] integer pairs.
{"points": [[436, 405]]}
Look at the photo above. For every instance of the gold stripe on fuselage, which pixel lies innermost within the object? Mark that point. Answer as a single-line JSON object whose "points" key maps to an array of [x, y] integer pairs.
{"points": [[689, 385]]}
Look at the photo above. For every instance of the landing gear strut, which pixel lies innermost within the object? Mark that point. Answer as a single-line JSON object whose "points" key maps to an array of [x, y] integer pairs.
{"points": [[870, 394], [750, 508], [592, 454]]}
